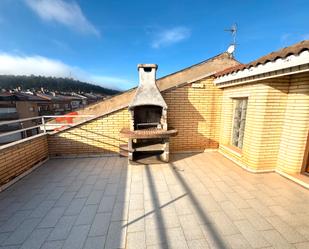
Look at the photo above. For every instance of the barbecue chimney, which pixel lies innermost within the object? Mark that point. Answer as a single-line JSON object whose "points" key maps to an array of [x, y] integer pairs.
{"points": [[147, 92], [148, 134]]}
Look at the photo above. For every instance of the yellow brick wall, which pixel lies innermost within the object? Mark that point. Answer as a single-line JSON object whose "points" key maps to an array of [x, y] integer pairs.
{"points": [[97, 136], [18, 158], [296, 126], [195, 112], [264, 120]]}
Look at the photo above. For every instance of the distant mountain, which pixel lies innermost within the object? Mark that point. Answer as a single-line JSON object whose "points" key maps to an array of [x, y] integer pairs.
{"points": [[51, 84]]}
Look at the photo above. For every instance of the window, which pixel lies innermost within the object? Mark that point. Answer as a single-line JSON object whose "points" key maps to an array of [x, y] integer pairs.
{"points": [[239, 121]]}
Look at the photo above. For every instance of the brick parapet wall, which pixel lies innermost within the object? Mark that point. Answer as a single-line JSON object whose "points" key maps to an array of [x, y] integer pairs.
{"points": [[193, 111], [19, 157], [101, 135]]}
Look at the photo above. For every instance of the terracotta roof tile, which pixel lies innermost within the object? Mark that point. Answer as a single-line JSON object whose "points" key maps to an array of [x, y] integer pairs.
{"points": [[295, 49]]}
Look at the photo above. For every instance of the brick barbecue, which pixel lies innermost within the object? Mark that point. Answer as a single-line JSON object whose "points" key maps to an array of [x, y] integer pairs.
{"points": [[148, 136]]}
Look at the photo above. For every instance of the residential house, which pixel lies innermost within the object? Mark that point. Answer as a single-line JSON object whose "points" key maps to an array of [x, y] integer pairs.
{"points": [[19, 105], [92, 98], [59, 104]]}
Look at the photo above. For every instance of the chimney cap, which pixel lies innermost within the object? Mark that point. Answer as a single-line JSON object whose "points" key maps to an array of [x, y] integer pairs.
{"points": [[147, 66]]}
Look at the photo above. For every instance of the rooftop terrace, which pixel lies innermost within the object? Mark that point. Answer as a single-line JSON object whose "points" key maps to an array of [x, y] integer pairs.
{"points": [[196, 201]]}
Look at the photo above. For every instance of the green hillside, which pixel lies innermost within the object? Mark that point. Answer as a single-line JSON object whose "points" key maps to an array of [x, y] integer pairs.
{"points": [[51, 84]]}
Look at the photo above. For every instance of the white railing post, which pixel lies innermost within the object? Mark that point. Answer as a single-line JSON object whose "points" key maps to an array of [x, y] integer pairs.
{"points": [[43, 123]]}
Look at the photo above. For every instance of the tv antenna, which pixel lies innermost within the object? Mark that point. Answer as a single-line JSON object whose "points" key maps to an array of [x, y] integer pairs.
{"points": [[232, 47]]}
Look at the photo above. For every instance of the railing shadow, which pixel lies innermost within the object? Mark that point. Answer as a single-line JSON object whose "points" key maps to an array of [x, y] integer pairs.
{"points": [[157, 210], [213, 233]]}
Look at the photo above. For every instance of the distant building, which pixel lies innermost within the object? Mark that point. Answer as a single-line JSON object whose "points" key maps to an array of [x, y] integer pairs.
{"points": [[59, 104], [19, 105], [92, 98]]}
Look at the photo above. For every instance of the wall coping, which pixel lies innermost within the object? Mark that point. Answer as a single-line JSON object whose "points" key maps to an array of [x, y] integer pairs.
{"points": [[297, 178], [15, 143], [88, 120]]}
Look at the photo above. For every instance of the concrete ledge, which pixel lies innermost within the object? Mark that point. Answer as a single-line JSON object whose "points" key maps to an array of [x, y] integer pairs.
{"points": [[297, 178], [192, 151], [5, 186], [300, 179], [244, 166], [71, 156], [234, 152]]}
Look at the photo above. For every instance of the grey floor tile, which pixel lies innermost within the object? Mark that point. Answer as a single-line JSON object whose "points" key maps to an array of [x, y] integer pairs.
{"points": [[34, 202], [232, 211], [9, 247], [95, 242], [287, 231], [84, 191], [107, 204], [62, 228], [100, 184], [86, 215], [36, 239], [56, 193], [77, 237], [75, 186], [259, 207], [116, 236], [52, 217], [255, 239], [11, 224], [22, 232], [4, 236], [210, 203], [42, 209], [100, 224], [219, 218], [120, 211], [65, 199], [111, 189], [258, 221], [94, 197], [75, 206]]}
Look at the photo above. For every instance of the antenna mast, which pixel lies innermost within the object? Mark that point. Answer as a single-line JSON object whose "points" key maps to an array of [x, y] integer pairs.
{"points": [[233, 31]]}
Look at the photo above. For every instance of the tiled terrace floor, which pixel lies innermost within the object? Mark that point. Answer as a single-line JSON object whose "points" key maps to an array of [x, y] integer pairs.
{"points": [[198, 201]]}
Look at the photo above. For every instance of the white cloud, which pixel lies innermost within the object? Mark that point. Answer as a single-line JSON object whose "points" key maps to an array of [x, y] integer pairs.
{"points": [[170, 36], [23, 65], [12, 64], [66, 13]]}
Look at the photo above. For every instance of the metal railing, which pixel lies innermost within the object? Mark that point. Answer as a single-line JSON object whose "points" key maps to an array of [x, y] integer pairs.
{"points": [[43, 124]]}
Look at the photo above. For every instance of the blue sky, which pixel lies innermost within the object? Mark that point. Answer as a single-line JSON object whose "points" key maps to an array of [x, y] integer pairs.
{"points": [[102, 41]]}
